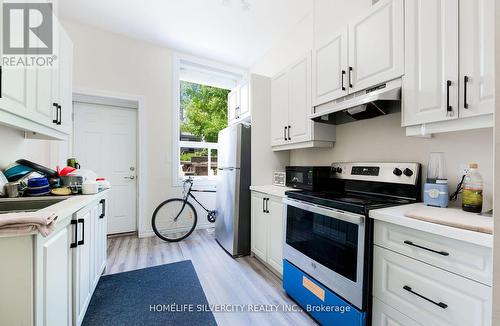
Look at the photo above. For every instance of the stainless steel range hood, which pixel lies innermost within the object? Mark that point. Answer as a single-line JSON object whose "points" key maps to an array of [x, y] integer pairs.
{"points": [[380, 100]]}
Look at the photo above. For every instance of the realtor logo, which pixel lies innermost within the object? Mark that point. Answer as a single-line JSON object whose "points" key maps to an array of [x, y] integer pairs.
{"points": [[27, 29]]}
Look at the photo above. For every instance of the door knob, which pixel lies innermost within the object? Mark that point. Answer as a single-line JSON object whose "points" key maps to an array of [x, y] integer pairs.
{"points": [[131, 177]]}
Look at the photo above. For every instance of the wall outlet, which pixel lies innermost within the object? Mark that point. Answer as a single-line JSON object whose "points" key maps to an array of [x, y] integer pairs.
{"points": [[464, 169]]}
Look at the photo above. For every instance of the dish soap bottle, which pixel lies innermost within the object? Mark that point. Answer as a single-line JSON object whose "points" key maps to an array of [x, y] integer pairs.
{"points": [[472, 198]]}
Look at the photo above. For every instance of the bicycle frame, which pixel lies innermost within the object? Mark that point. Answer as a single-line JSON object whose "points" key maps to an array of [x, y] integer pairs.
{"points": [[189, 194]]}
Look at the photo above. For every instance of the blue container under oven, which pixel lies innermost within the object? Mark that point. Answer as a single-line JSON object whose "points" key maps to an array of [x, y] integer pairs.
{"points": [[318, 301]]}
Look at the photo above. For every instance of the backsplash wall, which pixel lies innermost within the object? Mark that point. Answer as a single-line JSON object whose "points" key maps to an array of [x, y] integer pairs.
{"points": [[13, 146], [383, 139]]}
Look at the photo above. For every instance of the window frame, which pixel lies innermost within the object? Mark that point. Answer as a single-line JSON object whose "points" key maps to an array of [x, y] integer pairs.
{"points": [[177, 144]]}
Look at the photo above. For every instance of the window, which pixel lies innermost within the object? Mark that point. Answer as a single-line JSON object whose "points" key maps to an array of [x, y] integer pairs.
{"points": [[202, 88]]}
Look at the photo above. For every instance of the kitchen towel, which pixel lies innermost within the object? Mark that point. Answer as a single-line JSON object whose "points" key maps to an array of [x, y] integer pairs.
{"points": [[453, 217], [27, 222]]}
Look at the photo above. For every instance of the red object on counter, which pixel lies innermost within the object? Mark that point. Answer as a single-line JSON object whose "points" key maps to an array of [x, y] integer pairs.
{"points": [[65, 171]]}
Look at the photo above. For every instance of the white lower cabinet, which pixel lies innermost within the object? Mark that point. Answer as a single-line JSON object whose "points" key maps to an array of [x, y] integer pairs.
{"points": [[267, 230], [55, 272], [384, 315], [412, 287], [88, 259], [50, 281]]}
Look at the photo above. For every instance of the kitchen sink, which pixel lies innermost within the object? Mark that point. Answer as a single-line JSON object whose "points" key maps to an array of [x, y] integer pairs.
{"points": [[27, 204]]}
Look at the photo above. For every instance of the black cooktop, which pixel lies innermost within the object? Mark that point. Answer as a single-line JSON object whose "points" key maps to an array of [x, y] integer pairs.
{"points": [[346, 201]]}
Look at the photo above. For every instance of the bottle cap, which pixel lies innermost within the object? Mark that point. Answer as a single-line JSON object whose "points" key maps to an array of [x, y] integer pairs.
{"points": [[473, 165]]}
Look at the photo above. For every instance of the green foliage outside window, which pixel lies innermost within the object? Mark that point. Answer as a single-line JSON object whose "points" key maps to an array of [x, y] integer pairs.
{"points": [[205, 110]]}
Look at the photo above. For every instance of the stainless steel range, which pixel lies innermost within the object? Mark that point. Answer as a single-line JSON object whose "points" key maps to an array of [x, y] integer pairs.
{"points": [[329, 234]]}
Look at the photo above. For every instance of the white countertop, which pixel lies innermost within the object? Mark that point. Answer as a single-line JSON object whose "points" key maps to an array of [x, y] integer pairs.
{"points": [[272, 190], [63, 209], [396, 215]]}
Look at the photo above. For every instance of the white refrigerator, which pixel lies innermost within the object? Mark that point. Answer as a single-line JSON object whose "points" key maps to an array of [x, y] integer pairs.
{"points": [[232, 226]]}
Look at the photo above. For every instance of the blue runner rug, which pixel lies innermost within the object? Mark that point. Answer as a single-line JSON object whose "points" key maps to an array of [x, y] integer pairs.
{"points": [[162, 295]]}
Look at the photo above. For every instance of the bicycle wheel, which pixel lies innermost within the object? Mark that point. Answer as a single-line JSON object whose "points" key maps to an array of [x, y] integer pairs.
{"points": [[174, 220]]}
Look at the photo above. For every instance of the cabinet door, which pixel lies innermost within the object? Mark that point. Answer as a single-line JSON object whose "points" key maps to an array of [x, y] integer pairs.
{"points": [[299, 124], [275, 236], [259, 227], [383, 315], [376, 45], [477, 57], [244, 105], [103, 234], [81, 269], [232, 103], [65, 82], [330, 69], [279, 108], [431, 52], [57, 279]]}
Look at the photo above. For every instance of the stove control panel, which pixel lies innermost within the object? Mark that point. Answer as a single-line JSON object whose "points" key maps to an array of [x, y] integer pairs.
{"points": [[403, 173]]}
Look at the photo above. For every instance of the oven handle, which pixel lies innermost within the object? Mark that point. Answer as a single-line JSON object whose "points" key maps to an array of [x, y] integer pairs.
{"points": [[326, 211]]}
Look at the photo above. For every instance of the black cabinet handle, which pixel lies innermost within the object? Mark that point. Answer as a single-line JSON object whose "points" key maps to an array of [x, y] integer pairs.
{"points": [[350, 77], [284, 133], [289, 127], [57, 112], [263, 205], [82, 242], [343, 74], [442, 253], [267, 205], [75, 244], [449, 109], [439, 304], [466, 80], [59, 115], [103, 203]]}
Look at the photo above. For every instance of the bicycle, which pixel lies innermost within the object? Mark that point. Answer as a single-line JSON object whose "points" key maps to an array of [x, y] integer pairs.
{"points": [[175, 219]]}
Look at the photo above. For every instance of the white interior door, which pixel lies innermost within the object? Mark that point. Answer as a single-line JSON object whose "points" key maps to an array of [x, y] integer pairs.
{"points": [[105, 141]]}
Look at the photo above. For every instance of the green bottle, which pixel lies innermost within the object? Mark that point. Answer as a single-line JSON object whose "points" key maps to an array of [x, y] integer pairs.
{"points": [[472, 197]]}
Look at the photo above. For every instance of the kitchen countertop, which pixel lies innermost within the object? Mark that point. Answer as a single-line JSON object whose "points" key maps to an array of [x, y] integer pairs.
{"points": [[63, 209], [396, 215], [272, 190]]}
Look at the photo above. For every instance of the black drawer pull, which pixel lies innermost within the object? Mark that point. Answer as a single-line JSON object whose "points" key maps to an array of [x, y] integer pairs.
{"points": [[343, 74], [263, 205], [75, 244], [267, 205], [439, 304], [466, 80], [449, 108], [82, 242], [103, 203], [56, 106], [350, 77], [442, 253]]}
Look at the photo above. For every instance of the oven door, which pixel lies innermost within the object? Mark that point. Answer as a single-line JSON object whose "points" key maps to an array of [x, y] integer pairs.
{"points": [[328, 245]]}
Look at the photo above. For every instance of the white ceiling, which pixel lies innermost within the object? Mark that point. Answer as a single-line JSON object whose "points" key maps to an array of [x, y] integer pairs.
{"points": [[215, 29]]}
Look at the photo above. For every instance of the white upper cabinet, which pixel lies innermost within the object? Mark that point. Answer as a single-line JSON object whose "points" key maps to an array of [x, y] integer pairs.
{"points": [[431, 74], [279, 108], [376, 45], [299, 127], [232, 103], [366, 52], [330, 69], [238, 102], [32, 97], [291, 106], [477, 57], [449, 77]]}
